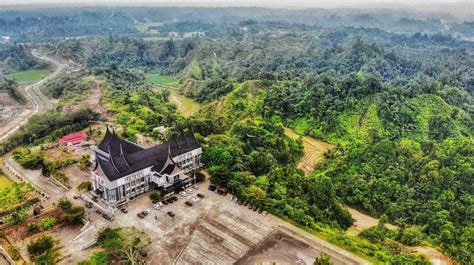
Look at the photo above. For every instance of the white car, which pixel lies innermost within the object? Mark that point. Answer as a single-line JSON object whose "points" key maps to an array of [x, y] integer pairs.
{"points": [[156, 206], [161, 204], [183, 193], [195, 199], [188, 190], [264, 213], [195, 187], [148, 211]]}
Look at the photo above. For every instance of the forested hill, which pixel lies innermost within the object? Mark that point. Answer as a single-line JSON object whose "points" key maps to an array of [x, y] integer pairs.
{"points": [[45, 24]]}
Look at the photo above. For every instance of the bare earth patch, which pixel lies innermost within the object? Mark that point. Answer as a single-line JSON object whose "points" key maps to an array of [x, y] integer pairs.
{"points": [[364, 221], [314, 151]]}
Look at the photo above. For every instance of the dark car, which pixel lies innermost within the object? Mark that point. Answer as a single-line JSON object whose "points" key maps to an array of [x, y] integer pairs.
{"points": [[188, 203], [260, 210], [98, 211], [250, 206], [170, 214], [124, 210], [165, 202], [170, 200], [88, 205], [255, 208], [200, 195], [75, 197], [212, 187], [246, 203], [174, 198], [141, 215], [240, 202]]}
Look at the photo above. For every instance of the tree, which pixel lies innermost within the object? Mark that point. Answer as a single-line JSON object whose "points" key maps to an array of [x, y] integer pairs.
{"points": [[155, 196], [42, 250]]}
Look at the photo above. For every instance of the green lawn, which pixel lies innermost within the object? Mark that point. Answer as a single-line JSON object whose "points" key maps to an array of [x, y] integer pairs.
{"points": [[29, 77], [163, 80]]}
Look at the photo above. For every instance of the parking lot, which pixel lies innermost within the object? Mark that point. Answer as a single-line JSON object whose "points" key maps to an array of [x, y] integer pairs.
{"points": [[214, 230]]}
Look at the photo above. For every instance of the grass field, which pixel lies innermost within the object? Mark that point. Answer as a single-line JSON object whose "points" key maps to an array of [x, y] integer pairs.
{"points": [[164, 80], [186, 106], [4, 182], [29, 77], [314, 150]]}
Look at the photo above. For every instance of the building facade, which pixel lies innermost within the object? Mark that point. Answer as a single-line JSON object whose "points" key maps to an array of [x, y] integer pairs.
{"points": [[124, 170]]}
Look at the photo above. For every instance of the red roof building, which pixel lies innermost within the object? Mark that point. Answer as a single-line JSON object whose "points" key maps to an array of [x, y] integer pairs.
{"points": [[73, 138]]}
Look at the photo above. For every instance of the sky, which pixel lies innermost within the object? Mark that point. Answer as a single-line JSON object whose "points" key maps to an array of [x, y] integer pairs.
{"points": [[266, 3]]}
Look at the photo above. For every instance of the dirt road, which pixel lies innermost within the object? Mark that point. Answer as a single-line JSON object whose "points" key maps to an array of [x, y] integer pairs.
{"points": [[34, 95]]}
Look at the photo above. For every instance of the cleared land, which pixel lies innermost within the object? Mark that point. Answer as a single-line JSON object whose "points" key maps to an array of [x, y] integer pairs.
{"points": [[29, 77], [314, 150], [186, 106], [164, 80]]}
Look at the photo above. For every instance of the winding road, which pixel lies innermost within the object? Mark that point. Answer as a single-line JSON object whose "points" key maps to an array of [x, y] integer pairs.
{"points": [[33, 93]]}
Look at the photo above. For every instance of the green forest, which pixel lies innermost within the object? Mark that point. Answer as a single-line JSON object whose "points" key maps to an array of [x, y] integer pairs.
{"points": [[396, 101]]}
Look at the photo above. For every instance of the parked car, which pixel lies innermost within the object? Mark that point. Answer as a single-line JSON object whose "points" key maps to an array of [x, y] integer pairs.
{"points": [[141, 215], [156, 206], [88, 205], [161, 204], [212, 187], [246, 203], [195, 199], [200, 195], [260, 210], [165, 202], [195, 187], [188, 190], [222, 192], [75, 197], [170, 200], [250, 206], [98, 211], [174, 198], [188, 203], [240, 202], [124, 210], [254, 208], [183, 193], [264, 213], [170, 213]]}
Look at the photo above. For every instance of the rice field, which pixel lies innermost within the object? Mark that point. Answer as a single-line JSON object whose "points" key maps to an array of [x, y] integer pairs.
{"points": [[164, 80]]}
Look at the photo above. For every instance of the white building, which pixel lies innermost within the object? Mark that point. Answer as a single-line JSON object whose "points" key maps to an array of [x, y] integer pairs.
{"points": [[124, 170]]}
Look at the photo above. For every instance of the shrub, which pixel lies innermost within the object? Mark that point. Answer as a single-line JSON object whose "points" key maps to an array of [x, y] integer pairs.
{"points": [[47, 223]]}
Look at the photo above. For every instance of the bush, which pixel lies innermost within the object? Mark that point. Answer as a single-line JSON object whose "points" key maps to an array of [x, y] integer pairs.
{"points": [[86, 185], [32, 229], [47, 223]]}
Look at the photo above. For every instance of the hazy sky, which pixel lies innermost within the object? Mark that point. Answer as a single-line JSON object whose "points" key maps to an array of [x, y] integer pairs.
{"points": [[275, 3]]}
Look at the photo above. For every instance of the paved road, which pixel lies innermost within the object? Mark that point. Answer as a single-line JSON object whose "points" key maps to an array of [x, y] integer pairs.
{"points": [[35, 96]]}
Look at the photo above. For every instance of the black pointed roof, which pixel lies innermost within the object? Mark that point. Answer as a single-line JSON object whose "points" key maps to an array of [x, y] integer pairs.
{"points": [[124, 157]]}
